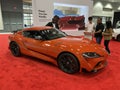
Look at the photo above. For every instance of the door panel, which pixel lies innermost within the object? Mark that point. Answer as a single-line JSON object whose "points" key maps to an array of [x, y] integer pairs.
{"points": [[35, 45]]}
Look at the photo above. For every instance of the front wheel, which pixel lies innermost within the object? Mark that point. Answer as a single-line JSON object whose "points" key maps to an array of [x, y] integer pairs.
{"points": [[68, 63], [15, 49]]}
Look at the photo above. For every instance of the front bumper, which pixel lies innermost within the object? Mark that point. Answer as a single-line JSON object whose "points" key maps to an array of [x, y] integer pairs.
{"points": [[99, 66], [95, 64]]}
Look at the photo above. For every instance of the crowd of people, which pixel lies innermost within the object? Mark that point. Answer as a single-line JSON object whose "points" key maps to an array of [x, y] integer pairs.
{"points": [[91, 31], [99, 31]]}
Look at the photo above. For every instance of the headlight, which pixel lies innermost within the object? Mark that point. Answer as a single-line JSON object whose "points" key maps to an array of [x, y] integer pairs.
{"points": [[91, 55]]}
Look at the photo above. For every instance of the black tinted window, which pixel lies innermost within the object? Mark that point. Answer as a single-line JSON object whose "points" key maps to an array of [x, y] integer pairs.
{"points": [[48, 34], [31, 34]]}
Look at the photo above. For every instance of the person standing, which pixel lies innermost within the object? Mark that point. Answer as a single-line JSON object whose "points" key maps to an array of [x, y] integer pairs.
{"points": [[98, 30], [54, 22], [89, 29], [107, 34]]}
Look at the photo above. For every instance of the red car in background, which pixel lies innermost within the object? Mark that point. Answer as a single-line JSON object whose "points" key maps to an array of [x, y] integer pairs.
{"points": [[72, 22]]}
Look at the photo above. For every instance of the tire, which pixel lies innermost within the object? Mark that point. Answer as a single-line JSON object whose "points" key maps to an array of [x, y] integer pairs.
{"points": [[68, 63], [118, 38], [15, 49]]}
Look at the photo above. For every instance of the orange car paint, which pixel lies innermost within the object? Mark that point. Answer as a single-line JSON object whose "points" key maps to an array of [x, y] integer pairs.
{"points": [[50, 50]]}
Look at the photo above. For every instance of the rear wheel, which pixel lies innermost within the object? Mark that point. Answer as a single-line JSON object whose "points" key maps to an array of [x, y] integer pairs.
{"points": [[15, 49], [118, 37], [68, 63]]}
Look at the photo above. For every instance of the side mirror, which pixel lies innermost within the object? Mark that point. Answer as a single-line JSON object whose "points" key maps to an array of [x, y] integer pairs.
{"points": [[38, 37]]}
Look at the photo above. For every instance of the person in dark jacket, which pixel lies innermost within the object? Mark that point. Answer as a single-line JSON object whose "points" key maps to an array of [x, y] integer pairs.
{"points": [[98, 31], [54, 22]]}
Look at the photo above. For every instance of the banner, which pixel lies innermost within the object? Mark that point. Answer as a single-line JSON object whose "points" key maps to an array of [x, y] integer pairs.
{"points": [[77, 11], [42, 12]]}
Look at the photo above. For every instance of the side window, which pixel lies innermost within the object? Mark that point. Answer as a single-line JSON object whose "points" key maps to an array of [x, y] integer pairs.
{"points": [[29, 34], [33, 34], [26, 33]]}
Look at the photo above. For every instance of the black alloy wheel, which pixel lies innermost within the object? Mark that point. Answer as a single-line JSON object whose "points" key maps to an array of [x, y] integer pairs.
{"points": [[68, 63], [118, 37], [15, 49]]}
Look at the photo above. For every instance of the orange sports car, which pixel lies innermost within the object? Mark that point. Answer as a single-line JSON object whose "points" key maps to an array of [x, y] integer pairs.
{"points": [[72, 54]]}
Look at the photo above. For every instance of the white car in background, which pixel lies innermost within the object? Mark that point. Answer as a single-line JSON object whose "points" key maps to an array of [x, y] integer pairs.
{"points": [[116, 34], [118, 24]]}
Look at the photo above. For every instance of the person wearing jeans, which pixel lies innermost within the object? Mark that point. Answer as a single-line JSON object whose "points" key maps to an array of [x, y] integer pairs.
{"points": [[99, 39], [98, 30]]}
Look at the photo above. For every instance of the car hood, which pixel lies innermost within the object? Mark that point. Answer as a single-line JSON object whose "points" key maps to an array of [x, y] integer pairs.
{"points": [[77, 43]]}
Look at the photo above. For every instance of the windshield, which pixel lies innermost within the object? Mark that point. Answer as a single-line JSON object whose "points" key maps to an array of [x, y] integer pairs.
{"points": [[50, 34]]}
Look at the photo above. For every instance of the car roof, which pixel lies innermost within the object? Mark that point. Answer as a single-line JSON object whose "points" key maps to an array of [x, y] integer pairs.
{"points": [[37, 28]]}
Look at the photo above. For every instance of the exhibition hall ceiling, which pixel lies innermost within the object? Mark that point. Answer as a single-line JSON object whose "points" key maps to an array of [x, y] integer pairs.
{"points": [[30, 1], [108, 0]]}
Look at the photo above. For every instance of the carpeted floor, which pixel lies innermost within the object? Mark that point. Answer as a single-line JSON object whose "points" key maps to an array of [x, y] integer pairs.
{"points": [[26, 73]]}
